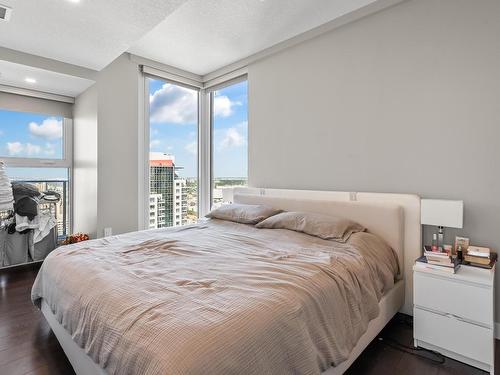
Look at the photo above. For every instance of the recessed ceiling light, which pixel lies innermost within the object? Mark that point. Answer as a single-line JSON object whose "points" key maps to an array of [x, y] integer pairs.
{"points": [[30, 80], [73, 1]]}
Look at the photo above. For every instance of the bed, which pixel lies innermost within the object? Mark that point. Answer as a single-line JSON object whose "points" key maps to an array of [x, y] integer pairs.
{"points": [[184, 301]]}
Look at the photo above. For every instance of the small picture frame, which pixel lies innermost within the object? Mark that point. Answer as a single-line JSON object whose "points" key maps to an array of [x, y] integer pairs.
{"points": [[462, 242]]}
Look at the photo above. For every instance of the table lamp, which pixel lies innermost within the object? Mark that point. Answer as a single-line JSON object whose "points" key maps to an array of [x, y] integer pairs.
{"points": [[442, 213]]}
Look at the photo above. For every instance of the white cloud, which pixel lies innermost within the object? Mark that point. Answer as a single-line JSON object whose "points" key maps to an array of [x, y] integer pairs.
{"points": [[192, 148], [223, 106], [154, 143], [174, 104], [242, 125], [30, 149], [232, 138], [50, 128], [14, 148], [50, 149], [179, 105]]}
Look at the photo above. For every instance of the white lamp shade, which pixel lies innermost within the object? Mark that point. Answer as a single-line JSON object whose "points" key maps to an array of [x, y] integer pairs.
{"points": [[441, 212]]}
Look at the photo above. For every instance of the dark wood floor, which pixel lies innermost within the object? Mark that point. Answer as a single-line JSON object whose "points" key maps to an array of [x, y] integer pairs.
{"points": [[28, 346]]}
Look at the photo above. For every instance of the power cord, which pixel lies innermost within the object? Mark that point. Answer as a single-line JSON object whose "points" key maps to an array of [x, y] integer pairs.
{"points": [[430, 355], [427, 354]]}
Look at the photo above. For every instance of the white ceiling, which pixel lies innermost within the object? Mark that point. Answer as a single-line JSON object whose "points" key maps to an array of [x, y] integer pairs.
{"points": [[91, 33], [199, 36], [47, 81], [204, 35]]}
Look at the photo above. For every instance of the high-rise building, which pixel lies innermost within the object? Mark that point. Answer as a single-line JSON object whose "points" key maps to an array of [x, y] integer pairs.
{"points": [[167, 202], [155, 219]]}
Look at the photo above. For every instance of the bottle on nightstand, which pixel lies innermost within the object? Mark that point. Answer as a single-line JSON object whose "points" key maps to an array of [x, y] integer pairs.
{"points": [[434, 246]]}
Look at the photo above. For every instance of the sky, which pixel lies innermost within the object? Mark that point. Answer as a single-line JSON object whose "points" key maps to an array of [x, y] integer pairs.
{"points": [[174, 128], [32, 136]]}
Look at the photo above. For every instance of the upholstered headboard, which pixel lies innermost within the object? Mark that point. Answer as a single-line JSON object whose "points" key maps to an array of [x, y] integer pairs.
{"points": [[394, 217], [386, 221]]}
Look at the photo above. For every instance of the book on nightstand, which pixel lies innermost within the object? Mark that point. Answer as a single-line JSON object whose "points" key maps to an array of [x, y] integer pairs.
{"points": [[479, 251], [481, 261], [443, 266]]}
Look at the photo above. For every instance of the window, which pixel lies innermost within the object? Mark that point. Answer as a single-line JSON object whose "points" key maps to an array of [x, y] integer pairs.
{"points": [[36, 148], [29, 135], [173, 152], [229, 139], [195, 145]]}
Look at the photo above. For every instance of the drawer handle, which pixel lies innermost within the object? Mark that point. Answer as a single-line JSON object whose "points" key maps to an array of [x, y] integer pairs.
{"points": [[452, 316], [455, 317]]}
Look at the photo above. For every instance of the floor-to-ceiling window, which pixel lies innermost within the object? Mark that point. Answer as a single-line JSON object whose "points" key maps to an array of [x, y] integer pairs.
{"points": [[36, 148], [196, 145], [173, 154], [229, 114]]}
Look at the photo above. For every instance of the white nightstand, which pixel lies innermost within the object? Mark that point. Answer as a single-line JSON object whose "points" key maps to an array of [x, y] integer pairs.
{"points": [[454, 314]]}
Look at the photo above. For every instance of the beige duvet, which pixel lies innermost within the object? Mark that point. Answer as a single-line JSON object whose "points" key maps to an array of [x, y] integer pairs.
{"points": [[217, 298]]}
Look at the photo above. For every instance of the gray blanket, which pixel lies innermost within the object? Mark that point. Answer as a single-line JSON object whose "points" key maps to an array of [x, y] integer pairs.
{"points": [[217, 298]]}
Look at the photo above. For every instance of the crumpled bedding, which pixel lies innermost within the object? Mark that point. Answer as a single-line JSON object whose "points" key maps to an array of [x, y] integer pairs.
{"points": [[217, 298]]}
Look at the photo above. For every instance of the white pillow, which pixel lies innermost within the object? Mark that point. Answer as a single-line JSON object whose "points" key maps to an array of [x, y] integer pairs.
{"points": [[243, 213], [318, 225]]}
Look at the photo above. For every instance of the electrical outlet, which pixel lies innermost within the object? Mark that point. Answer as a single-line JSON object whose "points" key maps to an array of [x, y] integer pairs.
{"points": [[108, 232]]}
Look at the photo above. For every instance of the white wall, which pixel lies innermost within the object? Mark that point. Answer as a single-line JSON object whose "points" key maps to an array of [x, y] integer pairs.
{"points": [[85, 162], [106, 119], [118, 114], [406, 100]]}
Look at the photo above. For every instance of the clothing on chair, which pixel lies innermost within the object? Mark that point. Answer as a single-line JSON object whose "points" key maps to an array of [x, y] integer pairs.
{"points": [[27, 207], [45, 223]]}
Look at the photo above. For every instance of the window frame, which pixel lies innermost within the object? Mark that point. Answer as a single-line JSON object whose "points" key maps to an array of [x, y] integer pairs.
{"points": [[65, 162], [204, 137], [211, 92], [144, 147]]}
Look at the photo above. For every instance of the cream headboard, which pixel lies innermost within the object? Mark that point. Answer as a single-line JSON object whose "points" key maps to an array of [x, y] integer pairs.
{"points": [[394, 217]]}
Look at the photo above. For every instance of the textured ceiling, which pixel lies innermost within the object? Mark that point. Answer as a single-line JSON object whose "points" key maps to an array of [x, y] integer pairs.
{"points": [[199, 36], [91, 33], [15, 74], [204, 35]]}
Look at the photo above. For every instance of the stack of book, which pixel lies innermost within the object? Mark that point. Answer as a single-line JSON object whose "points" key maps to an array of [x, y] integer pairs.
{"points": [[480, 257], [438, 260]]}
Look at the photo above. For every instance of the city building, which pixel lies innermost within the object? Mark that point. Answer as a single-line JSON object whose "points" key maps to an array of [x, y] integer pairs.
{"points": [[155, 220], [60, 209], [223, 189], [167, 200]]}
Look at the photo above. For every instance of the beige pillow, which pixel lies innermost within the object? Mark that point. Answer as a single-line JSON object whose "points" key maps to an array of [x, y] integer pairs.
{"points": [[243, 213], [322, 226]]}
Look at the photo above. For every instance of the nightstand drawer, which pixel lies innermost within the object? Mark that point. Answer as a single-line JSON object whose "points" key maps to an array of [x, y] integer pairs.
{"points": [[470, 340], [469, 301]]}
